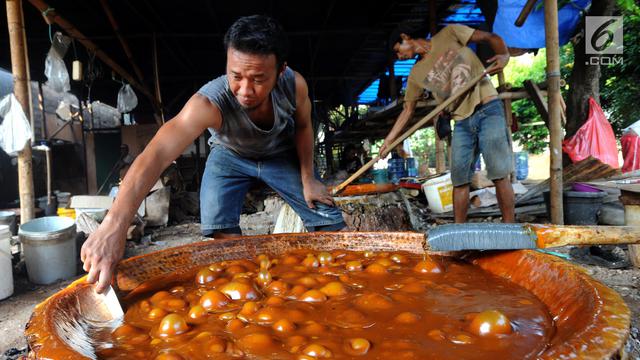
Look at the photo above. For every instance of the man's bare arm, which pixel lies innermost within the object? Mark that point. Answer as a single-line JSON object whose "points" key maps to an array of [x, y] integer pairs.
{"points": [[313, 189], [497, 45], [105, 247]]}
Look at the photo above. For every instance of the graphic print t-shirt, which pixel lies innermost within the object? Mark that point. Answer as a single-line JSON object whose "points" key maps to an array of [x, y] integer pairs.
{"points": [[447, 68]]}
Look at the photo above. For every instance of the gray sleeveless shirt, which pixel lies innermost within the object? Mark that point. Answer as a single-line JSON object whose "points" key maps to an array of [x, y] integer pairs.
{"points": [[239, 134]]}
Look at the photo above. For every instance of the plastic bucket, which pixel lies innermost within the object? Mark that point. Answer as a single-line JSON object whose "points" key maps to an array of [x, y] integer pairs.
{"points": [[97, 214], [380, 176], [70, 213], [6, 270], [49, 207], [9, 218], [579, 208], [49, 246], [63, 199], [439, 193]]}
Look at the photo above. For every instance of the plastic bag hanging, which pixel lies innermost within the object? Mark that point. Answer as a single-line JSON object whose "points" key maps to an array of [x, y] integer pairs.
{"points": [[54, 68], [594, 138], [127, 99], [15, 130]]}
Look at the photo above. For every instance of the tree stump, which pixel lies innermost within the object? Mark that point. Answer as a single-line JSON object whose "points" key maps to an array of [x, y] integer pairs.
{"points": [[378, 212]]}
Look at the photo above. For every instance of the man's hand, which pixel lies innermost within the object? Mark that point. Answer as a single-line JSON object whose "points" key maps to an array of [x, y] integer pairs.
{"points": [[499, 62], [101, 253], [384, 149], [314, 190]]}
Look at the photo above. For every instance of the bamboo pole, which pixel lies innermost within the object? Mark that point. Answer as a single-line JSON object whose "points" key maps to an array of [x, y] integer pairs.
{"points": [[429, 117], [554, 106], [441, 165], [92, 47], [28, 77], [20, 89]]}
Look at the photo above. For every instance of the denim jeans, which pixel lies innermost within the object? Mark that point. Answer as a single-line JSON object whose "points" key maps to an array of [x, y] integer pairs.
{"points": [[227, 178], [484, 132]]}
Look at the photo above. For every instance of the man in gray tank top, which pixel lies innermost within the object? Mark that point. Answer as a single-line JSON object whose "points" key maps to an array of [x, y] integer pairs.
{"points": [[259, 114]]}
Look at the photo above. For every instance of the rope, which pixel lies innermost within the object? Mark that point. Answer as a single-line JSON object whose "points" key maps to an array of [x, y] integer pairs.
{"points": [[45, 14]]}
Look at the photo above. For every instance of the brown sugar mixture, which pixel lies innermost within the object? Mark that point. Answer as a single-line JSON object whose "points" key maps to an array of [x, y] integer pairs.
{"points": [[309, 305]]}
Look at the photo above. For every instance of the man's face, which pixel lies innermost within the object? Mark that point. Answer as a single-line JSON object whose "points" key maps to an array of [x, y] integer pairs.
{"points": [[251, 77], [404, 50]]}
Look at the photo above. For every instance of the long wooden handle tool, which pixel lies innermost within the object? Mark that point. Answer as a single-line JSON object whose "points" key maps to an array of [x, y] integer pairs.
{"points": [[493, 236], [414, 128]]}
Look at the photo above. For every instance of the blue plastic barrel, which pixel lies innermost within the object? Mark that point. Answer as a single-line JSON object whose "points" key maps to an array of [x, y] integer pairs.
{"points": [[412, 167], [396, 169]]}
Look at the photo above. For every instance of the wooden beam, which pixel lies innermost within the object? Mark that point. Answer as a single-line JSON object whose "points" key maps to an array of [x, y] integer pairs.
{"points": [[504, 86], [526, 10], [156, 78], [123, 41], [538, 100], [554, 106], [92, 47], [20, 89]]}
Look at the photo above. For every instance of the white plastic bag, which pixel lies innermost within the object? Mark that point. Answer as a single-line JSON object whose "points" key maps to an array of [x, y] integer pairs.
{"points": [[127, 99], [15, 129], [54, 68]]}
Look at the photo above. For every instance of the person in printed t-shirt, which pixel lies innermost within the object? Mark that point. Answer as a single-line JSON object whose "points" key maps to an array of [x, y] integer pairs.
{"points": [[445, 65]]}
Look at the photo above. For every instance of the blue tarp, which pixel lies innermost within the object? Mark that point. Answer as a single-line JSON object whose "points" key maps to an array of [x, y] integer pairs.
{"points": [[531, 34], [6, 83]]}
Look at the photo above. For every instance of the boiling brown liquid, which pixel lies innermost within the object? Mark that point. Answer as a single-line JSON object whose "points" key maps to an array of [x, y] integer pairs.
{"points": [[311, 305]]}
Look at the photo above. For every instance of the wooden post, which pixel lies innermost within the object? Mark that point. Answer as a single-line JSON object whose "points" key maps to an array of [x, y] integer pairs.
{"points": [[631, 202], [20, 89], [508, 115], [554, 106], [441, 165]]}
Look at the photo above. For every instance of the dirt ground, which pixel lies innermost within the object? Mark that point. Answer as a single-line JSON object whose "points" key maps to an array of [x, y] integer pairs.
{"points": [[16, 310], [627, 283]]}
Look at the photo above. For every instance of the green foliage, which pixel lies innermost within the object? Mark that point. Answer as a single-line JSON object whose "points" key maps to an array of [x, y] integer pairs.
{"points": [[620, 83], [423, 145], [532, 134]]}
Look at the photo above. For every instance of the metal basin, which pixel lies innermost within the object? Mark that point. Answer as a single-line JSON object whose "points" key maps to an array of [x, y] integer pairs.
{"points": [[591, 320]]}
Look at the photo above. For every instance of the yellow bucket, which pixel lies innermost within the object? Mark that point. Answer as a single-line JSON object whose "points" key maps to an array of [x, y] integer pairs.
{"points": [[71, 213]]}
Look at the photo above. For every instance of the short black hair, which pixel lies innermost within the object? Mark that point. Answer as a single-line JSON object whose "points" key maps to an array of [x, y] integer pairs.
{"points": [[413, 31], [259, 35]]}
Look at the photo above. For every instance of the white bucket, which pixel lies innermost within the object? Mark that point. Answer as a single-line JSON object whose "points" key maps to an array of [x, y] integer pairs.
{"points": [[439, 192], [49, 246], [6, 270], [8, 218]]}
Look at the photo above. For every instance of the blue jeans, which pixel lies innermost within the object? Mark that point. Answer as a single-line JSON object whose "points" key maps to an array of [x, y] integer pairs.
{"points": [[227, 178], [484, 132]]}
